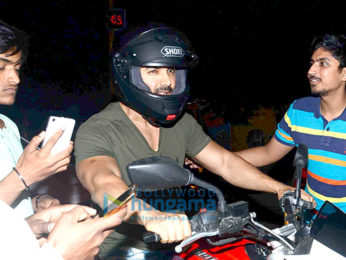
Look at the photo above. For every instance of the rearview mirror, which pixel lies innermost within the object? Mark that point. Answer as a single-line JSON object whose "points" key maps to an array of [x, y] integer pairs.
{"points": [[156, 173]]}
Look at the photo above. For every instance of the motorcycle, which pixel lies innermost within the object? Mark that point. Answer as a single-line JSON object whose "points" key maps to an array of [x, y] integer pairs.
{"points": [[231, 231]]}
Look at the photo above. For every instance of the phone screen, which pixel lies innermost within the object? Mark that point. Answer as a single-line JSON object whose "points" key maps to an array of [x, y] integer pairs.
{"points": [[122, 200]]}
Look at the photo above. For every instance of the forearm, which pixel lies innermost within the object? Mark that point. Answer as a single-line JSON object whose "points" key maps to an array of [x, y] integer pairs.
{"points": [[11, 187], [264, 155], [136, 208], [236, 170], [257, 156], [240, 173], [102, 180], [105, 187]]}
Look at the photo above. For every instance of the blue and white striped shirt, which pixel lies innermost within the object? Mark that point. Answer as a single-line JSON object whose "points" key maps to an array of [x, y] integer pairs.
{"points": [[326, 142]]}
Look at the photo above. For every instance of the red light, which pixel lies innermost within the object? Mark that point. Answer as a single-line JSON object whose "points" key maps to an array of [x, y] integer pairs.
{"points": [[171, 117], [116, 19]]}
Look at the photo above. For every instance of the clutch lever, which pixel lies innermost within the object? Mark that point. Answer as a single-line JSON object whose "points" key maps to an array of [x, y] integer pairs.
{"points": [[150, 237]]}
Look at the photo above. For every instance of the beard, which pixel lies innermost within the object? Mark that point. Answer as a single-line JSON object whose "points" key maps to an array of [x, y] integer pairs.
{"points": [[314, 81], [319, 92], [167, 89]]}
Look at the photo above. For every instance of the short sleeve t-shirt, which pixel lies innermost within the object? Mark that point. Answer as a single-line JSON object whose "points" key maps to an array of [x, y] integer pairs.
{"points": [[112, 133]]}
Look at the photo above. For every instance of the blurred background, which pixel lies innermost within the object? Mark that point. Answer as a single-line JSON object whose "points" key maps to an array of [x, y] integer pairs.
{"points": [[253, 62]]}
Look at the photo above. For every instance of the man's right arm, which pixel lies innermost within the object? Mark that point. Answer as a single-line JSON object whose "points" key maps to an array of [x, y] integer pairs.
{"points": [[265, 155], [101, 175]]}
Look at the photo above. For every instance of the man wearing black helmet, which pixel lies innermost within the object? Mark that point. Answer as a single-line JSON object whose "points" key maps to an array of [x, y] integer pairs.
{"points": [[149, 70]]}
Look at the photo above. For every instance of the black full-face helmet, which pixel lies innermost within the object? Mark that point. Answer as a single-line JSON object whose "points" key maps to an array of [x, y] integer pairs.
{"points": [[153, 47]]}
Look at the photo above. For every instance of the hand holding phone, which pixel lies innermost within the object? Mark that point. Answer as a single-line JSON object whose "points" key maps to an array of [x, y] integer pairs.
{"points": [[121, 201], [55, 123]]}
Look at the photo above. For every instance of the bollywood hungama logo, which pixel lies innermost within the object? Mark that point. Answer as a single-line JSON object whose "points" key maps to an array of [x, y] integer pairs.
{"points": [[169, 200]]}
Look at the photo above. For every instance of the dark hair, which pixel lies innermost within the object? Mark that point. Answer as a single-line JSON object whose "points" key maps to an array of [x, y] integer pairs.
{"points": [[335, 44], [11, 37]]}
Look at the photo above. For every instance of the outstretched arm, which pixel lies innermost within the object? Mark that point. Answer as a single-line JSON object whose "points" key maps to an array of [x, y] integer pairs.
{"points": [[266, 154], [101, 175], [239, 172]]}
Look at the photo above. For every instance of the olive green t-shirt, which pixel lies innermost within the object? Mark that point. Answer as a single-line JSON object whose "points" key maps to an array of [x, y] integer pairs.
{"points": [[111, 133]]}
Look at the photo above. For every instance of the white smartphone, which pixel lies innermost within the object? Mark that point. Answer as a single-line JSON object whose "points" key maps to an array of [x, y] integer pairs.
{"points": [[55, 123]]}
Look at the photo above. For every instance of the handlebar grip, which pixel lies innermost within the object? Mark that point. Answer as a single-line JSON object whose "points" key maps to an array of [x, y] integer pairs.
{"points": [[151, 237]]}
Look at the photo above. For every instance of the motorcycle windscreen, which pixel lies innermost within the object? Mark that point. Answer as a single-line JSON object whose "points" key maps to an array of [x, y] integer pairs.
{"points": [[329, 228]]}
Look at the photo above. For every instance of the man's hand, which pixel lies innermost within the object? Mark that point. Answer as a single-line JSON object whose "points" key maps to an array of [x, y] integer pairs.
{"points": [[304, 196], [192, 165], [76, 235], [38, 164], [45, 201], [171, 227], [307, 197], [42, 222]]}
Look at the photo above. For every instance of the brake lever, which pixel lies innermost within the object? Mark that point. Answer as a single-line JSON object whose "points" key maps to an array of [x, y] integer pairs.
{"points": [[150, 237], [193, 238], [231, 222], [289, 244]]}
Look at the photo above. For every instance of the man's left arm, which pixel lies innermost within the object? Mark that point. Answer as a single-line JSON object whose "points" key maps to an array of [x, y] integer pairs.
{"points": [[239, 172]]}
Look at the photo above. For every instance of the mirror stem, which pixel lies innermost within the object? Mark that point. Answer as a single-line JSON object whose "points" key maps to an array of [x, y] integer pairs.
{"points": [[208, 186]]}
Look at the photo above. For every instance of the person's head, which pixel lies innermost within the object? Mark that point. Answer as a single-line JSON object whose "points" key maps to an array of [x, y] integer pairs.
{"points": [[150, 69], [13, 50], [328, 70]]}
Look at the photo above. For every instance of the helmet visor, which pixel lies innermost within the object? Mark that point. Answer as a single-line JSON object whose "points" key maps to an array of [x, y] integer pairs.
{"points": [[180, 80]]}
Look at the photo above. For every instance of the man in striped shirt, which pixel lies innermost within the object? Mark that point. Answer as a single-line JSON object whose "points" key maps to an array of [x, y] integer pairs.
{"points": [[318, 121]]}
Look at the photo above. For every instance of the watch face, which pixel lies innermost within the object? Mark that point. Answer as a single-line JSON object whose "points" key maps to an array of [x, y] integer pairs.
{"points": [[116, 19]]}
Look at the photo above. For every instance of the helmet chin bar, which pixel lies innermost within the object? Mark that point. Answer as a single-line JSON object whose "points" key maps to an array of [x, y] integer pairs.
{"points": [[156, 123]]}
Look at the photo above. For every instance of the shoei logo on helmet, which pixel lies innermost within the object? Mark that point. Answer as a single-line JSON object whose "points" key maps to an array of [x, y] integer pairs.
{"points": [[172, 51], [171, 117]]}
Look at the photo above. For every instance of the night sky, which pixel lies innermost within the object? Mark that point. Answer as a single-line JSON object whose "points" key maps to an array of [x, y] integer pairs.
{"points": [[251, 52]]}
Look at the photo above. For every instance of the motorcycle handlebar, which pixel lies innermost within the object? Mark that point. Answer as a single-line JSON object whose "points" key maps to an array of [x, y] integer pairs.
{"points": [[213, 222], [151, 237]]}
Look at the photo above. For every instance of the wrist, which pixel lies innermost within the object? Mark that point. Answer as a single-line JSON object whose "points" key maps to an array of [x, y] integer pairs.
{"points": [[145, 216], [285, 187], [282, 189], [17, 172]]}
